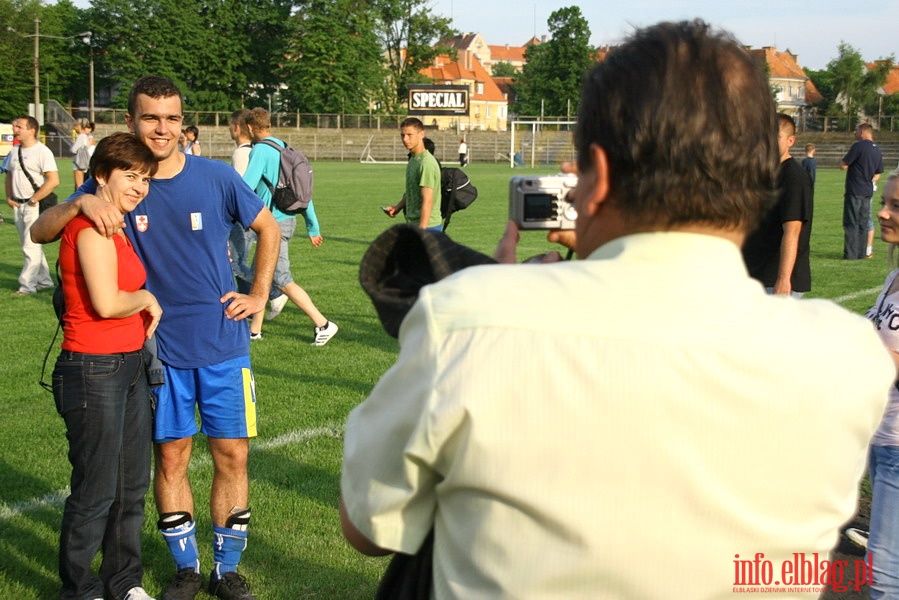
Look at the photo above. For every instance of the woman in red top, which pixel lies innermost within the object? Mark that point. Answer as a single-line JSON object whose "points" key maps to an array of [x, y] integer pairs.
{"points": [[100, 385]]}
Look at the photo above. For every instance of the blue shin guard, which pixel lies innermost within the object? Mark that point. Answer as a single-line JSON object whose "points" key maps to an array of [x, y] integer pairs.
{"points": [[179, 531], [229, 543]]}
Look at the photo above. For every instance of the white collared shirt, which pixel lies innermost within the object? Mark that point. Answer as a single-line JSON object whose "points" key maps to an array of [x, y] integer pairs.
{"points": [[617, 427]]}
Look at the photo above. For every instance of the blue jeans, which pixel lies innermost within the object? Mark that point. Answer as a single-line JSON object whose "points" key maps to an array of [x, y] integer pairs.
{"points": [[104, 400], [883, 541], [856, 215]]}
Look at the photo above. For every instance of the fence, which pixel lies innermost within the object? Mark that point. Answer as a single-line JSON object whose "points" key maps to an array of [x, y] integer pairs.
{"points": [[297, 120], [545, 145]]}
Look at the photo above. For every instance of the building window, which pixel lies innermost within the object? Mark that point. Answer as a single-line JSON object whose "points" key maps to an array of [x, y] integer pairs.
{"points": [[480, 88]]}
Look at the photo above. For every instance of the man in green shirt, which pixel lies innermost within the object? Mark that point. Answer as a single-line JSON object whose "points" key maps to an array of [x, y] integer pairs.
{"points": [[421, 201]]}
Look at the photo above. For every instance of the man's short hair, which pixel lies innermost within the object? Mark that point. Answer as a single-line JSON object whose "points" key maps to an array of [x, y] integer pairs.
{"points": [[413, 122], [786, 123], [865, 128], [686, 119], [153, 86], [239, 120], [30, 122], [259, 119], [809, 147]]}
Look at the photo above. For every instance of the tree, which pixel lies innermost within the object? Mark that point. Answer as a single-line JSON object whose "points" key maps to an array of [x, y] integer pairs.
{"points": [[16, 56], [823, 81], [216, 51], [504, 69], [63, 61], [855, 84], [550, 82], [406, 30], [333, 62]]}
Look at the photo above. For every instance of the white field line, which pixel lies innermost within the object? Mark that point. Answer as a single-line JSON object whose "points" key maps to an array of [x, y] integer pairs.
{"points": [[854, 295], [57, 498]]}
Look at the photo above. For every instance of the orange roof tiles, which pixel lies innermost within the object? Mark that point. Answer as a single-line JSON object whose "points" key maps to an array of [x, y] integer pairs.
{"points": [[447, 71], [780, 64], [510, 54], [891, 85]]}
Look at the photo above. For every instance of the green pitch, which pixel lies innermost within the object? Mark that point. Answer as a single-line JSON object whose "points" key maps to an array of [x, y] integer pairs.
{"points": [[304, 393]]}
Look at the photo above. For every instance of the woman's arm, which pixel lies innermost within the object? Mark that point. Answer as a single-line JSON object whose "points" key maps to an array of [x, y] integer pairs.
{"points": [[99, 262], [80, 142]]}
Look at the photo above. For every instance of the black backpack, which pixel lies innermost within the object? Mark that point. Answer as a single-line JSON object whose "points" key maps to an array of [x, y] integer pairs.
{"points": [[293, 191], [456, 192]]}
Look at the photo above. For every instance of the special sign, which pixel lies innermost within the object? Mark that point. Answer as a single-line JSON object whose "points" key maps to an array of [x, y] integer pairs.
{"points": [[426, 100]]}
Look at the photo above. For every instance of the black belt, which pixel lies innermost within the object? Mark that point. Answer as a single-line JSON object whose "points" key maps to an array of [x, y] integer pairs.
{"points": [[22, 201]]}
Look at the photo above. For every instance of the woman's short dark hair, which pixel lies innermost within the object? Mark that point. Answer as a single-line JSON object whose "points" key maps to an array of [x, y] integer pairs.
{"points": [[687, 121], [122, 151]]}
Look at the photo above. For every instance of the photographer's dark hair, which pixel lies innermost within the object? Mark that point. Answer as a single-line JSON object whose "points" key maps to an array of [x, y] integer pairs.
{"points": [[152, 86], [687, 120], [121, 151]]}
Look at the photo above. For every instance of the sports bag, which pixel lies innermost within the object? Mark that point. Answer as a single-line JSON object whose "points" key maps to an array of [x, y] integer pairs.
{"points": [[293, 191], [456, 192]]}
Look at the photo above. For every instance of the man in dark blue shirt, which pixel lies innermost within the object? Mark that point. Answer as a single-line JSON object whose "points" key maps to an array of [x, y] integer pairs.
{"points": [[863, 165]]}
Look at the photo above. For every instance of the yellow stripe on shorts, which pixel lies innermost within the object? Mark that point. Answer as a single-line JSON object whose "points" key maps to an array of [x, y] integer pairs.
{"points": [[249, 401]]}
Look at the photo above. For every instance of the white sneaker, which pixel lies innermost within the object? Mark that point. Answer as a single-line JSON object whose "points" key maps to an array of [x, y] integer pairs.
{"points": [[857, 537], [324, 333], [277, 305], [138, 593]]}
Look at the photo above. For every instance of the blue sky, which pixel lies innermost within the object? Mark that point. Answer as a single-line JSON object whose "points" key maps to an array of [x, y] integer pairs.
{"points": [[812, 29]]}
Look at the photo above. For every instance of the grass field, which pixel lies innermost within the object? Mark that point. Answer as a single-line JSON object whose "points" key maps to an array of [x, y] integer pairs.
{"points": [[304, 393]]}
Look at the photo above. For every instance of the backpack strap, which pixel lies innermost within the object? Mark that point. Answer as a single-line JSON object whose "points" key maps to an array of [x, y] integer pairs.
{"points": [[58, 298], [269, 184], [25, 170]]}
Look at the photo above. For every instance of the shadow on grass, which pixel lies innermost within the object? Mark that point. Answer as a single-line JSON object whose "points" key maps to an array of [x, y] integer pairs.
{"points": [[28, 552]]}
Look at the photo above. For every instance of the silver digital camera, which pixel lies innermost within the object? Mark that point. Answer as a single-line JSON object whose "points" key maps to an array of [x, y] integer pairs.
{"points": [[541, 201]]}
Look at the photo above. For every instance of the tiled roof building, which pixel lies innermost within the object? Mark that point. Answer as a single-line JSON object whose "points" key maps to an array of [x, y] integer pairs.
{"points": [[795, 90], [488, 106]]}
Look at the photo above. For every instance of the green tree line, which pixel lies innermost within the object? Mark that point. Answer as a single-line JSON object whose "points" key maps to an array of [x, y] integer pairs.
{"points": [[851, 87], [317, 55]]}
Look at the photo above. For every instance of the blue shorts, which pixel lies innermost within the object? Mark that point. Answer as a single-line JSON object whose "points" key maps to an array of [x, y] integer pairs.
{"points": [[224, 393]]}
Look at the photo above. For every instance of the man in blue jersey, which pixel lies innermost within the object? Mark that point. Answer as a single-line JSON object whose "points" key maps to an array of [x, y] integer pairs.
{"points": [[181, 234]]}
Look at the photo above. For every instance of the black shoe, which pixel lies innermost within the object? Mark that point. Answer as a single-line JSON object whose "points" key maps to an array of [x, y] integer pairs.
{"points": [[185, 586], [232, 586]]}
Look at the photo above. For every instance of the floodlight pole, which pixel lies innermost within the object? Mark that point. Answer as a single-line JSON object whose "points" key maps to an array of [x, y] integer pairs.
{"points": [[37, 69]]}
